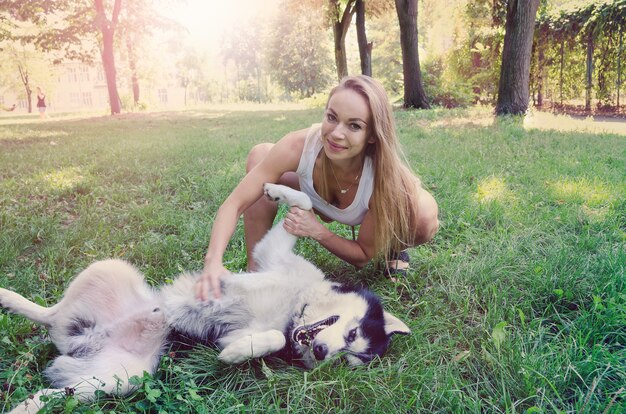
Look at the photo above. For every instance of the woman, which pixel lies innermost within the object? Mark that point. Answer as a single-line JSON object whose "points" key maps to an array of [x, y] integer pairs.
{"points": [[351, 167], [41, 103]]}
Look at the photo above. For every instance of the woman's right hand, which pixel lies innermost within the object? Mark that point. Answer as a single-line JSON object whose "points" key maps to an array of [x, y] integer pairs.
{"points": [[209, 281]]}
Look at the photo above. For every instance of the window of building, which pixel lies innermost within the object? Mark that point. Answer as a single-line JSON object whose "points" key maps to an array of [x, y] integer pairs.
{"points": [[87, 99], [71, 75], [84, 74], [75, 98]]}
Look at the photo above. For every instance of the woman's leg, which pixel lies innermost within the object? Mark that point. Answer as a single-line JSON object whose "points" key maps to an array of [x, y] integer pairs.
{"points": [[424, 223], [259, 217]]}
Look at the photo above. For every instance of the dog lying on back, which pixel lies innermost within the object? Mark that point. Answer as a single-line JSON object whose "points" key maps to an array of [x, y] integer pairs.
{"points": [[111, 325]]}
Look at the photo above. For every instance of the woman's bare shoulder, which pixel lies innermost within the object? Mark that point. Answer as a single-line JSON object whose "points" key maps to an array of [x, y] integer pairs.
{"points": [[293, 141]]}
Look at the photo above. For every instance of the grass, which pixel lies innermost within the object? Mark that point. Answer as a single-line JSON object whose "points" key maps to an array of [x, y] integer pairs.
{"points": [[517, 306]]}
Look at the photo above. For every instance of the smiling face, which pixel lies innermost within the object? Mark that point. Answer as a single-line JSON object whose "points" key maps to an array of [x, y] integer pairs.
{"points": [[346, 126]]}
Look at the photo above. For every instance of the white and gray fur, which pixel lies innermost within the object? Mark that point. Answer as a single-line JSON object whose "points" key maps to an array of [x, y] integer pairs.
{"points": [[261, 312], [110, 325]]}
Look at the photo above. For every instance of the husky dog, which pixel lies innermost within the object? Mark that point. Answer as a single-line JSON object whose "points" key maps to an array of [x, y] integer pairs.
{"points": [[110, 325], [287, 307]]}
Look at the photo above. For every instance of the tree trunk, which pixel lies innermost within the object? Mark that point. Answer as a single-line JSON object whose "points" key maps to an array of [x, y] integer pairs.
{"points": [[365, 49], [414, 95], [619, 63], [513, 88], [562, 67], [132, 63], [107, 28], [540, 68], [341, 23], [26, 82], [589, 73]]}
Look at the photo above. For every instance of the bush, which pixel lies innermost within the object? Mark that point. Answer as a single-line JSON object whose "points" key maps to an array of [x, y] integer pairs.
{"points": [[443, 93]]}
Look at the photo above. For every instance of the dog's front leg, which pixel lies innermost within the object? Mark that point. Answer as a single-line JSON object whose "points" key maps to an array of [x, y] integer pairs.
{"points": [[254, 345]]}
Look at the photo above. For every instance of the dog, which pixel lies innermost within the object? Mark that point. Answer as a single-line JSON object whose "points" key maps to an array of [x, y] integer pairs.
{"points": [[111, 325]]}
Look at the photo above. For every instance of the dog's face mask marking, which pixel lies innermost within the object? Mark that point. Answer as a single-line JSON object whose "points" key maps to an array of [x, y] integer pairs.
{"points": [[358, 328]]}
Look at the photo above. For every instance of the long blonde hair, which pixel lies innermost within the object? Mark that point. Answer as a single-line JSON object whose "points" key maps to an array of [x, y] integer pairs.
{"points": [[393, 201]]}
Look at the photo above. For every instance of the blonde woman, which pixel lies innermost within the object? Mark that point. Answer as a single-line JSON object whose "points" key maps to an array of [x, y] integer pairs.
{"points": [[352, 167]]}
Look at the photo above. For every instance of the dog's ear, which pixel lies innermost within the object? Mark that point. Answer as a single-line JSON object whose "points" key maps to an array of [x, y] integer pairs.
{"points": [[394, 325]]}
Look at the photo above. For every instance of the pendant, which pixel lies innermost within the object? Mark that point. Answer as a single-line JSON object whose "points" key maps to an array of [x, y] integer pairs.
{"points": [[343, 191]]}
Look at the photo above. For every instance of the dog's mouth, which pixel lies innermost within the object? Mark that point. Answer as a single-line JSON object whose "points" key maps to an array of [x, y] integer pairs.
{"points": [[305, 334]]}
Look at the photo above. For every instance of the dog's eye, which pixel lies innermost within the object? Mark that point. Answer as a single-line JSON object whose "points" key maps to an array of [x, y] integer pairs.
{"points": [[351, 336]]}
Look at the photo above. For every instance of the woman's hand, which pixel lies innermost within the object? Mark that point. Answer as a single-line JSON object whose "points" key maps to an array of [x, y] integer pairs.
{"points": [[209, 281], [303, 223]]}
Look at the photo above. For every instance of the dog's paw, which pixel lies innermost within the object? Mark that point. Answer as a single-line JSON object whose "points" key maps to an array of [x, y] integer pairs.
{"points": [[252, 346], [287, 195], [273, 192]]}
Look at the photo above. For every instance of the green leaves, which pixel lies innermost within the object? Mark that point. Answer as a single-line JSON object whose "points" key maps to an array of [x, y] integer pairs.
{"points": [[498, 334]]}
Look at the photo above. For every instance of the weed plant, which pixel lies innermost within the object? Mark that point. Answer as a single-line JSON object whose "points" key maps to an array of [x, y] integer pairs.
{"points": [[517, 306]]}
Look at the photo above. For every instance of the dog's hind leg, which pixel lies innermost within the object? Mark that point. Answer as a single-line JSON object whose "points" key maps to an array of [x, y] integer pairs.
{"points": [[19, 304], [253, 345], [33, 404]]}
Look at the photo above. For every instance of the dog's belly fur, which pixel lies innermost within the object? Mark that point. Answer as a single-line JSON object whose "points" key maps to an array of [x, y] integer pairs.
{"points": [[248, 304]]}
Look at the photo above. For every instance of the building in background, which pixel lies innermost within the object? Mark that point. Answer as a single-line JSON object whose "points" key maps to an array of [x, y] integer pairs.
{"points": [[81, 87]]}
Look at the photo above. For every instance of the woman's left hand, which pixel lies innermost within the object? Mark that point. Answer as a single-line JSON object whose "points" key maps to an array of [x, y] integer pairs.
{"points": [[303, 223]]}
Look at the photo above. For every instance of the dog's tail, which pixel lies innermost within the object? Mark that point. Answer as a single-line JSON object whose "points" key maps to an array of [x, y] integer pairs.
{"points": [[19, 304]]}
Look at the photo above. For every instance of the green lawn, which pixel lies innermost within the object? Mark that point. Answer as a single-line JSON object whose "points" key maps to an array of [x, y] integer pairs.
{"points": [[518, 304]]}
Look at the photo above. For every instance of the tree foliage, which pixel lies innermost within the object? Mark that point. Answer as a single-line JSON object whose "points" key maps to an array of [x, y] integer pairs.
{"points": [[570, 34], [297, 51]]}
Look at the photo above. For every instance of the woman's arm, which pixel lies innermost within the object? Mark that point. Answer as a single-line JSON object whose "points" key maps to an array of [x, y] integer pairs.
{"points": [[356, 252], [283, 157]]}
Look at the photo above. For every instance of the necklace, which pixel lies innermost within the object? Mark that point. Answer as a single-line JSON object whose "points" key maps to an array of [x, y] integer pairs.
{"points": [[343, 190]]}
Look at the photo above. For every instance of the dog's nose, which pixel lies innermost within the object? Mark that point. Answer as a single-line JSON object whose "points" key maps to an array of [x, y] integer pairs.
{"points": [[320, 351], [156, 309]]}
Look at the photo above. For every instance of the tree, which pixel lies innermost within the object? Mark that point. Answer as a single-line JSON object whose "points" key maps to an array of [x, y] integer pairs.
{"points": [[78, 30], [107, 27], [414, 95], [297, 54], [513, 87], [365, 48], [243, 48], [340, 18]]}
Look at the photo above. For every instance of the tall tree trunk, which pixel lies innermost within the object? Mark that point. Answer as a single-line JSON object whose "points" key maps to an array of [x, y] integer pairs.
{"points": [[589, 73], [132, 63], [365, 48], [107, 27], [513, 88], [341, 22], [619, 63], [562, 67], [26, 82], [414, 95], [540, 67]]}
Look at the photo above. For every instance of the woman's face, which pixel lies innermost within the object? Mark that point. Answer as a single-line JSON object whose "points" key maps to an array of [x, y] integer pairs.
{"points": [[345, 128]]}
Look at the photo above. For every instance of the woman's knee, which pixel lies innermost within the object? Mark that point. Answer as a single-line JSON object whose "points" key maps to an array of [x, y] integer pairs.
{"points": [[257, 154]]}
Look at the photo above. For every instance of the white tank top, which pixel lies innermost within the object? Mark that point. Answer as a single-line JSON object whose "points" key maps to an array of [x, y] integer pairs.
{"points": [[354, 213]]}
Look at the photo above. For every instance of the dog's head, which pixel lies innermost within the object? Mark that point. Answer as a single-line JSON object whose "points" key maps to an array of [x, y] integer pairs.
{"points": [[351, 322]]}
